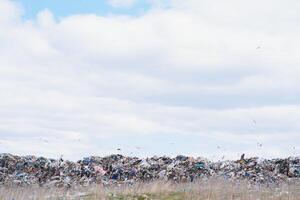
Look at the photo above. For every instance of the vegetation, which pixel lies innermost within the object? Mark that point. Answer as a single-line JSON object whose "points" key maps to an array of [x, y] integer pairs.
{"points": [[210, 190]]}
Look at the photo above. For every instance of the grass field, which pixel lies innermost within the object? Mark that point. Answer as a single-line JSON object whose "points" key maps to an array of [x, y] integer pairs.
{"points": [[210, 190]]}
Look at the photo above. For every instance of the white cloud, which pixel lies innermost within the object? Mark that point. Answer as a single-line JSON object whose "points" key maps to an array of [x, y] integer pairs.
{"points": [[10, 12], [45, 19], [197, 68], [121, 3]]}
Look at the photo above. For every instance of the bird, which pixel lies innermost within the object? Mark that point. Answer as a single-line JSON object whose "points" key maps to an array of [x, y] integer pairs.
{"points": [[243, 156], [44, 140], [259, 144]]}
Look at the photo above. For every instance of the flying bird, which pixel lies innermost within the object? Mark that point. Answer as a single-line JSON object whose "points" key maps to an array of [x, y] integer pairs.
{"points": [[259, 144]]}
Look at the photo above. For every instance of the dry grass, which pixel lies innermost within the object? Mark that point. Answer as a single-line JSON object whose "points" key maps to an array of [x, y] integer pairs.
{"points": [[210, 190]]}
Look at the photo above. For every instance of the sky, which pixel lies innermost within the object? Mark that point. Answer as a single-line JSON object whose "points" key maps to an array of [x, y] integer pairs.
{"points": [[202, 78], [74, 7]]}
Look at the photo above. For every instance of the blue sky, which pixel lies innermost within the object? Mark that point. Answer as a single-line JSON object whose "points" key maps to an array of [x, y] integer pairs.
{"points": [[71, 7], [197, 77]]}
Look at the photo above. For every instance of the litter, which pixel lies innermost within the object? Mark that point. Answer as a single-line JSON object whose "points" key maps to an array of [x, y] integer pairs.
{"points": [[118, 169]]}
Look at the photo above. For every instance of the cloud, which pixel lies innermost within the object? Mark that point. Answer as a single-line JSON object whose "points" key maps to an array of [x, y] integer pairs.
{"points": [[121, 3], [208, 70], [45, 19], [10, 12]]}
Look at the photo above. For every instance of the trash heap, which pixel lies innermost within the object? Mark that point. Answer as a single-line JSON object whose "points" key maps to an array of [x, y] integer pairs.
{"points": [[118, 169]]}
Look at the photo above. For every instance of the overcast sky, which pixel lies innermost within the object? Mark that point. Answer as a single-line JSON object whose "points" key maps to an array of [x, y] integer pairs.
{"points": [[195, 77]]}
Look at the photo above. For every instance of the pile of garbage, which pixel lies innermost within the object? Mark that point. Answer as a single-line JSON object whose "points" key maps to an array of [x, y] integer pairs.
{"points": [[118, 169]]}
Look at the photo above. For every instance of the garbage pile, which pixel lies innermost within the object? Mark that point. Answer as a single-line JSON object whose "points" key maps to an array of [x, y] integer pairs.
{"points": [[118, 169]]}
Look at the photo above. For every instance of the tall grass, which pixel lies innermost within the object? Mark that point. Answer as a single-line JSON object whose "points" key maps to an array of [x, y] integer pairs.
{"points": [[209, 190]]}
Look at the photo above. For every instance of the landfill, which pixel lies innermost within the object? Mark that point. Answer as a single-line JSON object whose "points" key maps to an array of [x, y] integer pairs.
{"points": [[119, 169]]}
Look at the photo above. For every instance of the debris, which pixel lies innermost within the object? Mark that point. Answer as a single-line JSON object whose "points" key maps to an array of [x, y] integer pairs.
{"points": [[118, 169]]}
